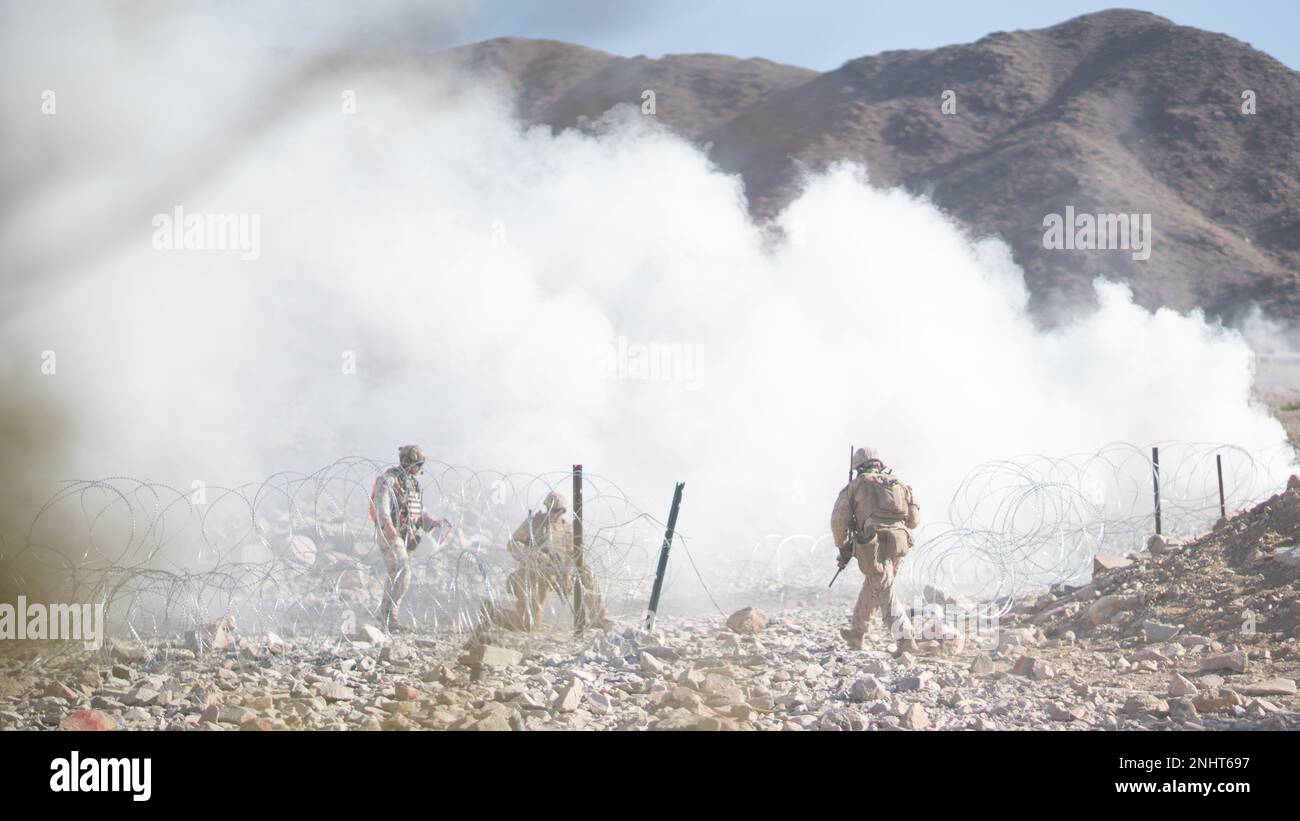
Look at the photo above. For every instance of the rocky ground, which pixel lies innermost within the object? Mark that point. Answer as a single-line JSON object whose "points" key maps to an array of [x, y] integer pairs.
{"points": [[1202, 635], [793, 674]]}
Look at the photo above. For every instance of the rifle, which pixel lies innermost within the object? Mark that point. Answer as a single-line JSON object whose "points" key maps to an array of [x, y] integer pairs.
{"points": [[853, 523]]}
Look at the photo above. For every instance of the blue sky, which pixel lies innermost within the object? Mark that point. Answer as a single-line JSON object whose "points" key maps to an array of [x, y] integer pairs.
{"points": [[822, 34]]}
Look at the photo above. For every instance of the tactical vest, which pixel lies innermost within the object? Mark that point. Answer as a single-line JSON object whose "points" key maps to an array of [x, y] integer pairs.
{"points": [[408, 501]]}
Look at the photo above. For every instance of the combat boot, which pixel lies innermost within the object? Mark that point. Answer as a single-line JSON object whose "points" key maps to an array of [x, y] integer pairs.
{"points": [[905, 646]]}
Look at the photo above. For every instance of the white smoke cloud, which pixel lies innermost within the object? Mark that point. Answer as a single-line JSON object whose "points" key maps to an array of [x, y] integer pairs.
{"points": [[482, 274]]}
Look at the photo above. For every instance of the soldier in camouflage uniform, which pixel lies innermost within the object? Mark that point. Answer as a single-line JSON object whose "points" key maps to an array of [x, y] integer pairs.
{"points": [[397, 507], [543, 546], [884, 513]]}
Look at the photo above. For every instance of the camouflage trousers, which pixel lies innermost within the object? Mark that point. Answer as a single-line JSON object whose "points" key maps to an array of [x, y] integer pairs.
{"points": [[398, 560], [877, 563], [531, 585]]}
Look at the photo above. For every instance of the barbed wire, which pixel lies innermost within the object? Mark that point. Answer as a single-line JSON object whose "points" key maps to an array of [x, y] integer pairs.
{"points": [[1019, 525], [297, 553]]}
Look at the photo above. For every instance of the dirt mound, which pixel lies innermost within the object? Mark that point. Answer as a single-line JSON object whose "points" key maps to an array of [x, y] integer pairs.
{"points": [[1238, 583]]}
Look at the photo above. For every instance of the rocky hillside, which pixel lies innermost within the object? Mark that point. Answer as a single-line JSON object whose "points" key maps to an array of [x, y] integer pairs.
{"points": [[1113, 112], [1240, 580]]}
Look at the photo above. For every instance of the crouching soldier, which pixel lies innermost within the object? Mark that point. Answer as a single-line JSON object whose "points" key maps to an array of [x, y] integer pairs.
{"points": [[548, 560], [872, 521]]}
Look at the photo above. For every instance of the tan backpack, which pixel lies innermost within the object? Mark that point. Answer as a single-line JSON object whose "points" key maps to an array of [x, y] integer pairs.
{"points": [[887, 496]]}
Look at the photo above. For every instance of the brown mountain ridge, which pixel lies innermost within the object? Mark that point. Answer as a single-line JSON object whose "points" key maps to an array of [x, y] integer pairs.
{"points": [[1114, 112]]}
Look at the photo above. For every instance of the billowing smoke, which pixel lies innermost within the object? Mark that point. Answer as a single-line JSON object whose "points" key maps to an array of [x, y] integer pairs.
{"points": [[113, 112], [429, 270]]}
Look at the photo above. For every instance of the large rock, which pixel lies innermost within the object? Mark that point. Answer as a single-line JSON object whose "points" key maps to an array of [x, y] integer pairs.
{"points": [[491, 656], [1102, 563], [1267, 687], [88, 721], [652, 667], [916, 682], [1182, 709], [943, 640], [1105, 608], [914, 718], [660, 652], [680, 719], [214, 636], [369, 633], [685, 697], [843, 719], [61, 690], [981, 665], [692, 677], [1236, 660], [1037, 669], [405, 692], [1216, 700], [1145, 703], [868, 689], [570, 698], [1180, 686], [1156, 631], [1288, 556], [205, 697], [875, 667], [145, 693], [130, 652], [494, 723], [1017, 637], [396, 652], [1062, 712], [1159, 545], [599, 703], [748, 621], [333, 691], [228, 714]]}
